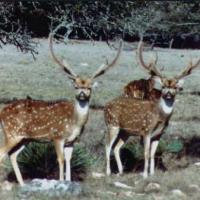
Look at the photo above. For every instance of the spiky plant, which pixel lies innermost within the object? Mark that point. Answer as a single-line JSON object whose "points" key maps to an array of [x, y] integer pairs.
{"points": [[38, 160]]}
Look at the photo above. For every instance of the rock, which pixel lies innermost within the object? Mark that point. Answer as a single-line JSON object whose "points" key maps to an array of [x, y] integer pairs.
{"points": [[97, 175], [51, 188], [194, 187], [179, 194], [6, 186], [152, 187], [122, 185], [84, 64], [159, 197], [197, 164], [110, 193], [140, 194], [128, 194]]}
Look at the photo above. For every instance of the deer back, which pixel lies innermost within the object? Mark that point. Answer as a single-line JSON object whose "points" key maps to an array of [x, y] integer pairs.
{"points": [[132, 115], [37, 119]]}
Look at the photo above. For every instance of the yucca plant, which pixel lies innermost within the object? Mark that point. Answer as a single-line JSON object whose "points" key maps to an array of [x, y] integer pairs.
{"points": [[38, 160], [132, 154]]}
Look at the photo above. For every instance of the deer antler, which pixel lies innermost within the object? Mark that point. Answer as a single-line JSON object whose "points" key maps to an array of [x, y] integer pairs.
{"points": [[104, 67], [151, 67], [65, 66], [188, 70]]}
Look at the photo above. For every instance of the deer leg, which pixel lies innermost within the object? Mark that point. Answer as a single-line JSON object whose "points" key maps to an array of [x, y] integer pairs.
{"points": [[59, 146], [113, 133], [117, 155], [68, 155], [154, 145], [73, 136], [147, 141], [3, 152], [13, 158], [7, 147]]}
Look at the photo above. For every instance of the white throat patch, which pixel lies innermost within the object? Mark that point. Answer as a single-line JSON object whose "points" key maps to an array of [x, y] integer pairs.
{"points": [[82, 110], [166, 109]]}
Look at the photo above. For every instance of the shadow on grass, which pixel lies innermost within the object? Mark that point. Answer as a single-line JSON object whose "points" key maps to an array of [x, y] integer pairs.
{"points": [[131, 163], [171, 155], [192, 147]]}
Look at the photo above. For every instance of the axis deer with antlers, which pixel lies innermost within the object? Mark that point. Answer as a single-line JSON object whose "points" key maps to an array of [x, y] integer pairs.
{"points": [[61, 122], [143, 88], [125, 117]]}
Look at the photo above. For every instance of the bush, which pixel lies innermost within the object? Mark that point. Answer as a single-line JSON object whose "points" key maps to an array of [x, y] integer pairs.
{"points": [[38, 160], [132, 154]]}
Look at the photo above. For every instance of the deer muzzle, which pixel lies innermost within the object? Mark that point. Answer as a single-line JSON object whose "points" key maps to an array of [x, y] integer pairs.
{"points": [[82, 96], [169, 98]]}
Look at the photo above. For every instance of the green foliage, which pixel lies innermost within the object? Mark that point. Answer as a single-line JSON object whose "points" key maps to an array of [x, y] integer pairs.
{"points": [[81, 161], [38, 160], [162, 146], [136, 149], [175, 146], [170, 146]]}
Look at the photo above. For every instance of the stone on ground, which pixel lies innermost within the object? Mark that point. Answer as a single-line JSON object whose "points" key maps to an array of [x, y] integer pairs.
{"points": [[51, 188], [152, 187]]}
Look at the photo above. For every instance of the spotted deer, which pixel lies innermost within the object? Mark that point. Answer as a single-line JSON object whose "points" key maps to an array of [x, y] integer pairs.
{"points": [[61, 122], [126, 117], [143, 88]]}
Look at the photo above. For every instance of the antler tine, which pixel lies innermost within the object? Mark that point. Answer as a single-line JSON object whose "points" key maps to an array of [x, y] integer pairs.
{"points": [[151, 67], [188, 70], [104, 67], [65, 67]]}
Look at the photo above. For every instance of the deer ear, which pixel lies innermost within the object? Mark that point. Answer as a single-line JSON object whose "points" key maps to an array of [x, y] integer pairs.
{"points": [[180, 83], [158, 80], [95, 85]]}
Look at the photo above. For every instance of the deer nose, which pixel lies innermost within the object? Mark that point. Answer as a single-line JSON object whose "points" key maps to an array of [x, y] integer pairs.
{"points": [[82, 94], [169, 95]]}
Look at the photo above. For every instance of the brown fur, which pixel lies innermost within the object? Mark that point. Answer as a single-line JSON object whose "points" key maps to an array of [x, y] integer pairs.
{"points": [[133, 115], [142, 89], [37, 119]]}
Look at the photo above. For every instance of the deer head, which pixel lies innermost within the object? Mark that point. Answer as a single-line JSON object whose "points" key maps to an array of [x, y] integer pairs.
{"points": [[83, 87], [170, 86]]}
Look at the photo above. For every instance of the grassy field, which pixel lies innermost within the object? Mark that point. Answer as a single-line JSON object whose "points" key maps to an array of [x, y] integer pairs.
{"points": [[21, 76]]}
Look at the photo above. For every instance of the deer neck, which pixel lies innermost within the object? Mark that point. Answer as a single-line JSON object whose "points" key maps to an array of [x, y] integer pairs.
{"points": [[166, 106], [81, 110]]}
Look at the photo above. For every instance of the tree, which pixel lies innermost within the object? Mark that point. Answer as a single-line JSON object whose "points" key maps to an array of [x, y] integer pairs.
{"points": [[12, 32]]}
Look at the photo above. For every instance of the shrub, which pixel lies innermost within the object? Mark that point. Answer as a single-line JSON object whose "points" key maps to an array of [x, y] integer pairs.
{"points": [[38, 160], [132, 154]]}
